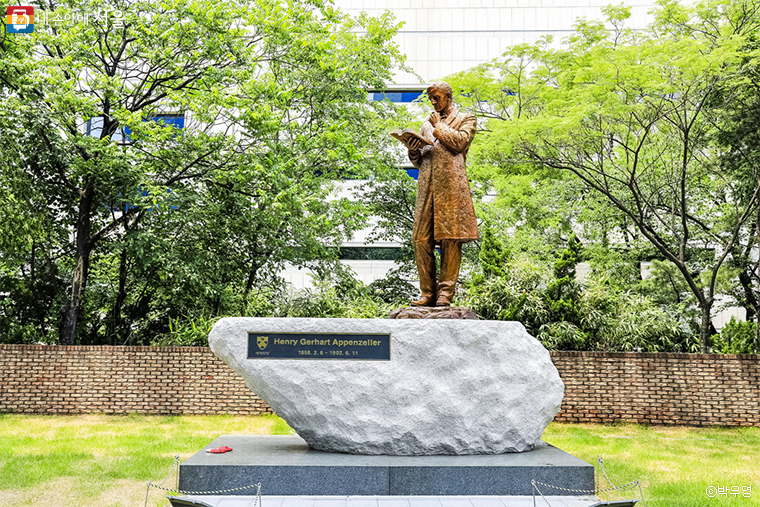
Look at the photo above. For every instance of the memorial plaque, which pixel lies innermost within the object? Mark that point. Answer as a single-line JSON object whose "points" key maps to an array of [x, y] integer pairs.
{"points": [[368, 347]]}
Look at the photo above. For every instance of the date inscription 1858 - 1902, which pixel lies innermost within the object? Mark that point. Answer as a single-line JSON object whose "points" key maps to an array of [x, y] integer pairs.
{"points": [[372, 347]]}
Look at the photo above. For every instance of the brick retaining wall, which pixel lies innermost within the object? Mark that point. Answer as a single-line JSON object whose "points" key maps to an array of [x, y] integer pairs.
{"points": [[689, 389], [41, 379], [685, 389]]}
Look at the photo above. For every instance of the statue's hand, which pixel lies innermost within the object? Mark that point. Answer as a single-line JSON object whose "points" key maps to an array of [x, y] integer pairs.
{"points": [[434, 118], [414, 145]]}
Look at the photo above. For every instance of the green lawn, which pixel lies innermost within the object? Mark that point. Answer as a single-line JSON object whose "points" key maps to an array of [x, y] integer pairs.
{"points": [[99, 460], [103, 460], [675, 464]]}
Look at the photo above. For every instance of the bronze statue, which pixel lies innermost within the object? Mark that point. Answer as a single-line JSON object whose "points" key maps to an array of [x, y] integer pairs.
{"points": [[443, 214]]}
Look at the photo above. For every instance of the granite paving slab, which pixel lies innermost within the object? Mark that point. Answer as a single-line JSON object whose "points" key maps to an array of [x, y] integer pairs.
{"points": [[408, 501]]}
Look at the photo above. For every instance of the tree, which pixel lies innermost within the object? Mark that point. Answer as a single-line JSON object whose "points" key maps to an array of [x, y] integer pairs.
{"points": [[493, 255], [273, 99], [562, 293], [632, 116], [738, 133]]}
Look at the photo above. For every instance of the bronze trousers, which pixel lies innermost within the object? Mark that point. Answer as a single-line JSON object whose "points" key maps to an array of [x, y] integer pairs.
{"points": [[451, 258]]}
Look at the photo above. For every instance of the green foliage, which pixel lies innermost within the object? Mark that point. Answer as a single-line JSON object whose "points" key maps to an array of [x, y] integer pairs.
{"points": [[737, 337], [393, 289], [562, 293], [665, 284], [563, 335], [186, 332], [518, 295], [389, 197], [625, 321], [335, 296], [492, 254], [631, 137], [619, 266], [115, 240], [605, 312]]}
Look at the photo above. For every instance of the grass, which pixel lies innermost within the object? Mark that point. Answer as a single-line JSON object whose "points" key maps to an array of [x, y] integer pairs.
{"points": [[104, 460], [98, 460], [675, 464]]}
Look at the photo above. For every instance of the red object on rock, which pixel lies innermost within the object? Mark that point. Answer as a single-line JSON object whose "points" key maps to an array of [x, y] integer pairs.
{"points": [[220, 450]]}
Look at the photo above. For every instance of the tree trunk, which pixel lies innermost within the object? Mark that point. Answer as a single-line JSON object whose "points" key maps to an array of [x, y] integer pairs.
{"points": [[757, 270], [252, 272], [751, 304], [705, 327], [115, 324], [116, 331], [742, 258], [70, 311]]}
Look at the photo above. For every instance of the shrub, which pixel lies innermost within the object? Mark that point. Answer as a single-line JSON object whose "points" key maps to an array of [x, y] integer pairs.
{"points": [[736, 337], [517, 295], [186, 332], [393, 289], [626, 321], [562, 335]]}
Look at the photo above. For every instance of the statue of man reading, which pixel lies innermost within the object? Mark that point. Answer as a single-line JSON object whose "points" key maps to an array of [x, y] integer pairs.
{"points": [[444, 214]]}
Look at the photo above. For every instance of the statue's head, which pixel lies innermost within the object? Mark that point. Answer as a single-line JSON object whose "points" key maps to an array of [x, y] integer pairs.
{"points": [[440, 95]]}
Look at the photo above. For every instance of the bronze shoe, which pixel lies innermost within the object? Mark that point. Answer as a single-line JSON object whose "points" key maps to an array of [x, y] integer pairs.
{"points": [[443, 301], [425, 300]]}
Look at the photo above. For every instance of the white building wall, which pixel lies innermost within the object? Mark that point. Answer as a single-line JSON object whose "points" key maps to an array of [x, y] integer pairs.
{"points": [[441, 37]]}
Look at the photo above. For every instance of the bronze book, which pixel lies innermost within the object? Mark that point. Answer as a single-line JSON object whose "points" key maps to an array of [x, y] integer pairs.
{"points": [[406, 135]]}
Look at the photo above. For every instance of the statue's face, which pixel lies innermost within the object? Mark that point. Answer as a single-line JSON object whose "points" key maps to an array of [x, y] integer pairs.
{"points": [[439, 100]]}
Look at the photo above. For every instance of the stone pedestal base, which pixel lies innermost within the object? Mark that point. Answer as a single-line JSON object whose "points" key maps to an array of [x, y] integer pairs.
{"points": [[286, 466], [430, 312]]}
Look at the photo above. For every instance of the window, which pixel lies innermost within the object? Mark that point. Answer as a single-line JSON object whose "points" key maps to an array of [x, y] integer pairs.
{"points": [[369, 253], [94, 126], [401, 96]]}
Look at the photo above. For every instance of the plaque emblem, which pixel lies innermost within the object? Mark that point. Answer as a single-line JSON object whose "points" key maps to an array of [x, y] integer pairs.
{"points": [[262, 342]]}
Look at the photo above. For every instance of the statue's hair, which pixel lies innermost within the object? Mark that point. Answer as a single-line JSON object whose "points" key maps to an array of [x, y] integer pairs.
{"points": [[443, 87]]}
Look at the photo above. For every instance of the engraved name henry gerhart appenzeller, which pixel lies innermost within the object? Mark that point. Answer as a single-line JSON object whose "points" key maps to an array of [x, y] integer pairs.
{"points": [[366, 347]]}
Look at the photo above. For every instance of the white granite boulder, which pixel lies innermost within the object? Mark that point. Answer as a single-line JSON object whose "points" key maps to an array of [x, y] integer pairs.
{"points": [[451, 386]]}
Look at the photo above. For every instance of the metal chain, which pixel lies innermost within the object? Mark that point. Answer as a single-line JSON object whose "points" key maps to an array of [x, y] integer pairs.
{"points": [[641, 493], [625, 487], [174, 467], [535, 488], [171, 472], [257, 502], [533, 482], [150, 484], [258, 490]]}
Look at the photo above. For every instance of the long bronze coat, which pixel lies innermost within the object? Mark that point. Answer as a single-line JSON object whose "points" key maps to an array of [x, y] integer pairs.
{"points": [[443, 180]]}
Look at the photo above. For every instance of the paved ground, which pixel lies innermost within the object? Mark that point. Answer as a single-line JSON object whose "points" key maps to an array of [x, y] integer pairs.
{"points": [[397, 501]]}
